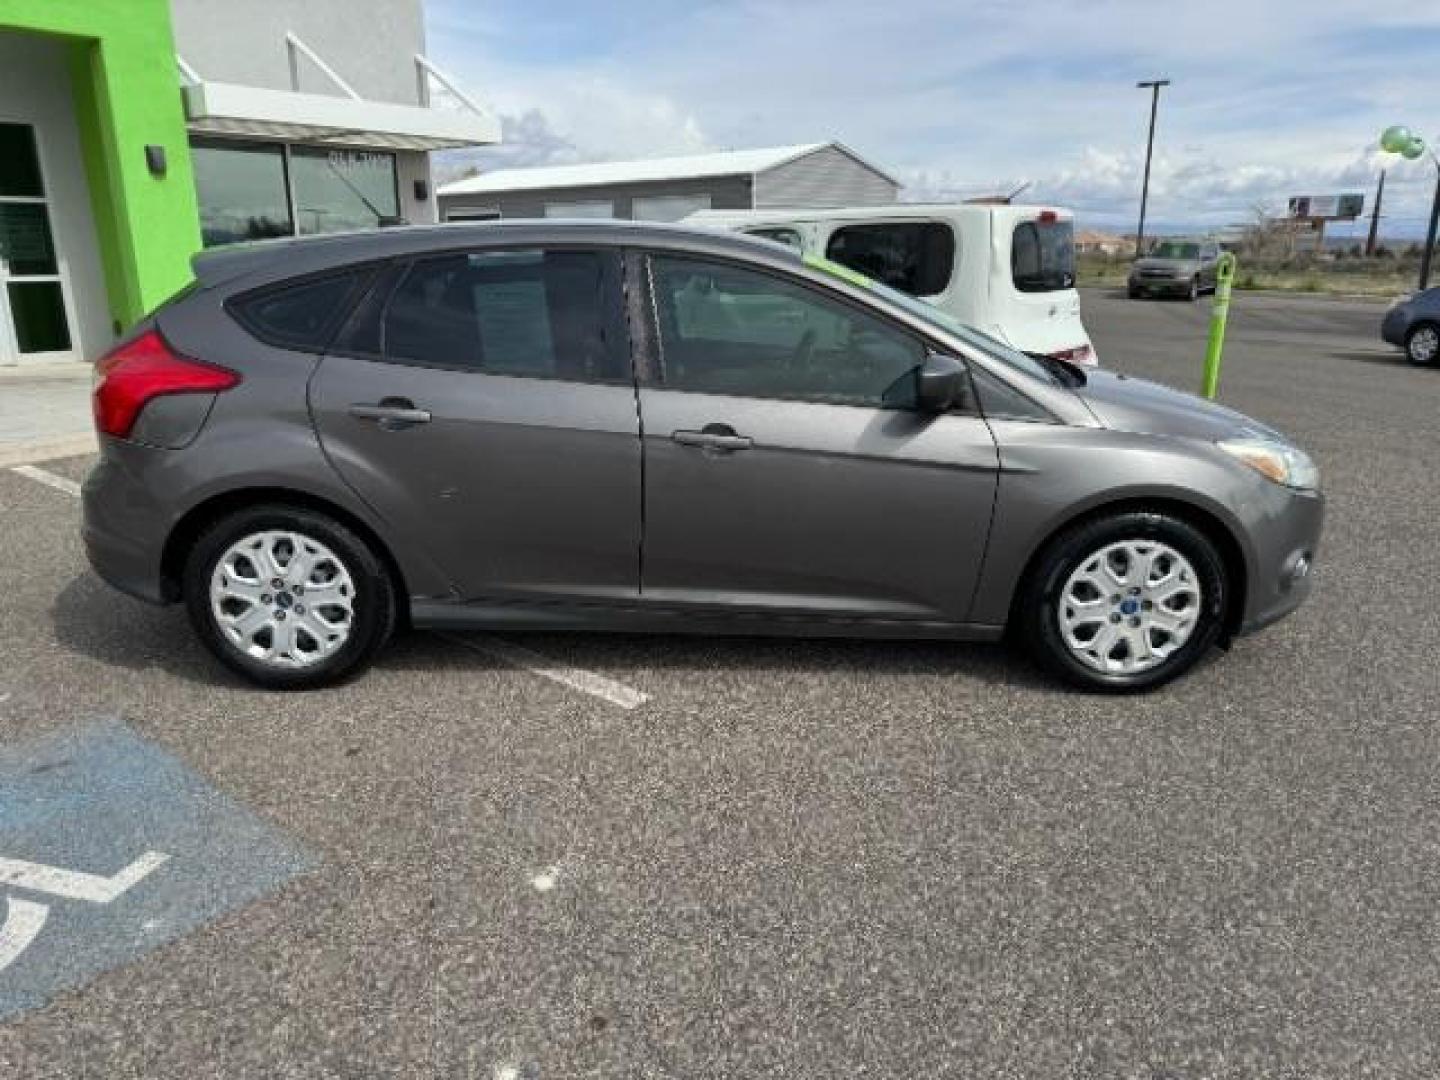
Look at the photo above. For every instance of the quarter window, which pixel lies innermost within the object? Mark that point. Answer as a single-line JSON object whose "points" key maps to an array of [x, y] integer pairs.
{"points": [[531, 313], [302, 314], [916, 257], [728, 330], [788, 237]]}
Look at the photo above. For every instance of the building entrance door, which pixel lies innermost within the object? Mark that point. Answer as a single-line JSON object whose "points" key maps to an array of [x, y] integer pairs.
{"points": [[35, 323]]}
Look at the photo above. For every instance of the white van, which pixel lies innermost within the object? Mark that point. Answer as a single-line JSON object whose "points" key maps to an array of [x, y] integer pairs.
{"points": [[1006, 270]]}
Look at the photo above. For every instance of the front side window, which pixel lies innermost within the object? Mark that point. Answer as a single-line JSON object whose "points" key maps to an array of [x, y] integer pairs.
{"points": [[340, 190], [531, 313], [242, 192], [728, 330], [1042, 255], [916, 257]]}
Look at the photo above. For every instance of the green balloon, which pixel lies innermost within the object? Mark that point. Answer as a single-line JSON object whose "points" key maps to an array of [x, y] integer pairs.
{"points": [[1395, 139], [1413, 149]]}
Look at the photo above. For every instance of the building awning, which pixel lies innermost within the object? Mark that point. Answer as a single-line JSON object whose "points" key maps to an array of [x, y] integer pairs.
{"points": [[213, 108]]}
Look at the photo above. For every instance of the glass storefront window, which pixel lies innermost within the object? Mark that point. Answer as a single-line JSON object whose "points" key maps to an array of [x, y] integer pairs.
{"points": [[19, 163], [38, 308], [25, 241], [337, 190], [242, 192]]}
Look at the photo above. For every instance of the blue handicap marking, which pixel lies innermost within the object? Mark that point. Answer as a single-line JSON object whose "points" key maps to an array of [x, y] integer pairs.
{"points": [[109, 848]]}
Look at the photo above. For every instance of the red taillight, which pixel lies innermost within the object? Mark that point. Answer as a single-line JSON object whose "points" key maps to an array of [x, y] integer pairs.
{"points": [[1081, 354], [129, 377], [1048, 217]]}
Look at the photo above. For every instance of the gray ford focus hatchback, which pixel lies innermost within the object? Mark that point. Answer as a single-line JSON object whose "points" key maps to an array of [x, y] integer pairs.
{"points": [[607, 425]]}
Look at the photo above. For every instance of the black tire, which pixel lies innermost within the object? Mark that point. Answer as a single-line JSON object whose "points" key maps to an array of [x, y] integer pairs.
{"points": [[374, 600], [1037, 620], [1421, 332], [1132, 292]]}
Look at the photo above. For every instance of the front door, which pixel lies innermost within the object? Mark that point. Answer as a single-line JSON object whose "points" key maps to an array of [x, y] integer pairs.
{"points": [[785, 471], [497, 429], [34, 315]]}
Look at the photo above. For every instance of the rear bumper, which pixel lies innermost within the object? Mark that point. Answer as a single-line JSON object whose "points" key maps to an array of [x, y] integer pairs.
{"points": [[123, 531], [1285, 543]]}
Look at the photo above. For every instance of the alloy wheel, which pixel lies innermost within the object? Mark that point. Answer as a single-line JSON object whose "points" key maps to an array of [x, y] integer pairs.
{"points": [[1424, 345], [283, 598], [1129, 606]]}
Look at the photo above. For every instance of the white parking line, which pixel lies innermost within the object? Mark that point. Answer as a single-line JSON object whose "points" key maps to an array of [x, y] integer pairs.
{"points": [[587, 682], [74, 885], [49, 479], [23, 922]]}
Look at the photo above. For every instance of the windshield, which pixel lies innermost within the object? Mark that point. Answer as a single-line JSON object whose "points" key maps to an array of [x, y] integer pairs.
{"points": [[1171, 250], [1042, 255], [940, 319]]}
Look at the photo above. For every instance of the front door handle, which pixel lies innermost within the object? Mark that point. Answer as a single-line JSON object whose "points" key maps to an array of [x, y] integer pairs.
{"points": [[393, 414], [717, 437]]}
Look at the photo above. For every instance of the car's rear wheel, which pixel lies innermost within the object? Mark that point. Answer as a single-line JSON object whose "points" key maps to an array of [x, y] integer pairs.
{"points": [[287, 597], [1125, 602], [1422, 344]]}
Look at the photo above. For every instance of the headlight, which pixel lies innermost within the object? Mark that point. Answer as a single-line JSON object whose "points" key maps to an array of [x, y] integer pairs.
{"points": [[1278, 461]]}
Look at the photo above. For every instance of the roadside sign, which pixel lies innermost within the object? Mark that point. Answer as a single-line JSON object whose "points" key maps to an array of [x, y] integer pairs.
{"points": [[1327, 207], [110, 848]]}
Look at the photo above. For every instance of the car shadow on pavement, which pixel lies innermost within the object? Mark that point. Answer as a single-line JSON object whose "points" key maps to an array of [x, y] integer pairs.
{"points": [[95, 621], [1383, 357]]}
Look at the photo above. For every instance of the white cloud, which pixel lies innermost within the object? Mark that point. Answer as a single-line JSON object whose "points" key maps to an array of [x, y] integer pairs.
{"points": [[959, 97]]}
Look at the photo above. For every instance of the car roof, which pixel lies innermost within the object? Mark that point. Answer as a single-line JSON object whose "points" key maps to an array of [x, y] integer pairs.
{"points": [[260, 261], [875, 212]]}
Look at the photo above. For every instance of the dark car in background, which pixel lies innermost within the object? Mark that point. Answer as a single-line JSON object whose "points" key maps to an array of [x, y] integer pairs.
{"points": [[610, 425], [1175, 268], [1413, 323]]}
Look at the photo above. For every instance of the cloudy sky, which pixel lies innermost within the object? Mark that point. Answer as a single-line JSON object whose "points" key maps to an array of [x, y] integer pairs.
{"points": [[1270, 98]]}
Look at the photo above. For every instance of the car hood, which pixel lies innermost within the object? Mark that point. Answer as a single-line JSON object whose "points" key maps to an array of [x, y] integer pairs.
{"points": [[1128, 404], [1166, 264]]}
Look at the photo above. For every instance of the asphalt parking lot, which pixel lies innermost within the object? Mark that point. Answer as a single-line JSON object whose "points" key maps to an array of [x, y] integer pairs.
{"points": [[643, 857]]}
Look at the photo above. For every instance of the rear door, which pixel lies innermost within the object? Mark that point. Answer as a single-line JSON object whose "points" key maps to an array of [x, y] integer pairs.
{"points": [[786, 470], [1032, 287], [485, 408]]}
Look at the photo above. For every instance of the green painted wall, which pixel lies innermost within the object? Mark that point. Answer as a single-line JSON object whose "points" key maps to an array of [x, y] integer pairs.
{"points": [[127, 96]]}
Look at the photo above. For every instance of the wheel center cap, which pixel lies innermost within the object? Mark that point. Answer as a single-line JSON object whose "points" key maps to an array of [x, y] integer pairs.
{"points": [[284, 600], [1130, 606]]}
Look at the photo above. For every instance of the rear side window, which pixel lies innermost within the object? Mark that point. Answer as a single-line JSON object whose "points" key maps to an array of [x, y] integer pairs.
{"points": [[532, 313], [1042, 256], [916, 257], [300, 314]]}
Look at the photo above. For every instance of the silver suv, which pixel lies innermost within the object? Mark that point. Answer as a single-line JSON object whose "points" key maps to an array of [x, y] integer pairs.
{"points": [[621, 426], [1176, 268]]}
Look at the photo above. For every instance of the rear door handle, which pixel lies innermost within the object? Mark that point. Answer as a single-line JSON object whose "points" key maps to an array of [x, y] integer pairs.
{"points": [[392, 413], [725, 441]]}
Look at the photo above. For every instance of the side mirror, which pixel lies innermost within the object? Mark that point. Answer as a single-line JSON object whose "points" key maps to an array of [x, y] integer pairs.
{"points": [[940, 383]]}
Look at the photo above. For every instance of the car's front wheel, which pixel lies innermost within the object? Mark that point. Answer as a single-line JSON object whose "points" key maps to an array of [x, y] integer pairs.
{"points": [[287, 597], [1422, 344], [1125, 602]]}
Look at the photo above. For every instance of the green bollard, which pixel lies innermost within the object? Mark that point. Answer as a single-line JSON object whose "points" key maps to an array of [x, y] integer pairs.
{"points": [[1224, 278]]}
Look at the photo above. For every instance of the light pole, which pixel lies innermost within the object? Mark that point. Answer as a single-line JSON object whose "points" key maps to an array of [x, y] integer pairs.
{"points": [[1399, 140], [1154, 86]]}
